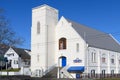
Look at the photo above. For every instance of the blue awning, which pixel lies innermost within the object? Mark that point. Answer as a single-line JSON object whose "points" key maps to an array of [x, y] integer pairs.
{"points": [[76, 69]]}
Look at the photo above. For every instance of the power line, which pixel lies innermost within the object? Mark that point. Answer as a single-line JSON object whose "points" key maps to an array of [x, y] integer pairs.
{"points": [[87, 36]]}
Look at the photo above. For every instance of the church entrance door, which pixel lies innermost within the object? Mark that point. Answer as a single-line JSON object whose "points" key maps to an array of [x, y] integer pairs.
{"points": [[63, 61]]}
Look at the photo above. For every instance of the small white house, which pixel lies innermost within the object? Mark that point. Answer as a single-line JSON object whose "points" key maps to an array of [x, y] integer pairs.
{"points": [[78, 49], [15, 58]]}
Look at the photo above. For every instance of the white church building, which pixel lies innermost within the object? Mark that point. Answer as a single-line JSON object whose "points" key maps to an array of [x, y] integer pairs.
{"points": [[73, 48]]}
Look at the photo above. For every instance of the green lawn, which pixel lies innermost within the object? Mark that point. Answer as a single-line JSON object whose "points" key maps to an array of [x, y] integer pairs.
{"points": [[11, 70]]}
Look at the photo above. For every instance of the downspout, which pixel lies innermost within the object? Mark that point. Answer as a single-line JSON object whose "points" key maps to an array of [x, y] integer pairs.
{"points": [[86, 54]]}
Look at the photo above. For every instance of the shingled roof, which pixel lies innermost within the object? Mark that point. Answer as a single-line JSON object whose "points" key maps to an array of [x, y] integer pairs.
{"points": [[95, 38], [22, 53]]}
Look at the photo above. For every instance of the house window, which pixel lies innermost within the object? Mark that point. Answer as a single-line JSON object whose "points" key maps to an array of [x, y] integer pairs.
{"points": [[93, 73], [38, 27], [103, 60], [9, 63], [15, 61], [77, 47], [38, 57], [93, 57], [103, 73], [112, 72], [119, 61], [112, 61], [27, 63], [119, 71], [62, 43]]}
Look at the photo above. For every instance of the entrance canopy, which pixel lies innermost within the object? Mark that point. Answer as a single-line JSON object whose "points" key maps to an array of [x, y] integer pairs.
{"points": [[76, 69]]}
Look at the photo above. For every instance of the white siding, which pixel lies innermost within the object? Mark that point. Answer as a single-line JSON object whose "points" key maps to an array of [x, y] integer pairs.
{"points": [[13, 56], [42, 48], [98, 66], [64, 29]]}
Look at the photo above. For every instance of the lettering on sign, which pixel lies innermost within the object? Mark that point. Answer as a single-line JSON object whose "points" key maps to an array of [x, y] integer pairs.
{"points": [[77, 60], [12, 54]]}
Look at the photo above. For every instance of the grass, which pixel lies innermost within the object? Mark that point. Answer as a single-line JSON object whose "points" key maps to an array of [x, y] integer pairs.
{"points": [[11, 70]]}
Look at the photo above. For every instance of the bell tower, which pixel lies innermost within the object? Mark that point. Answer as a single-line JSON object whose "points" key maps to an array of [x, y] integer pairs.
{"points": [[44, 20]]}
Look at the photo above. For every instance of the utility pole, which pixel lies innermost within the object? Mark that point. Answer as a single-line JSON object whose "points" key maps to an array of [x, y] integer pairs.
{"points": [[6, 61], [58, 72]]}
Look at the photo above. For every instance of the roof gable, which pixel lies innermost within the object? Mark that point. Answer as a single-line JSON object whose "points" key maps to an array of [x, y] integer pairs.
{"points": [[20, 52], [62, 21]]}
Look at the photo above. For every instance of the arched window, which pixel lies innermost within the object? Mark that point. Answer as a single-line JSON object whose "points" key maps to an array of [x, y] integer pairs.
{"points": [[62, 43], [119, 61], [112, 72], [103, 59], [77, 47], [38, 27], [119, 72], [38, 57], [92, 73], [103, 73], [112, 61], [93, 57]]}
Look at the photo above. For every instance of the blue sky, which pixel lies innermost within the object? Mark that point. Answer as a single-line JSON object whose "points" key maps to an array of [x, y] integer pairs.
{"points": [[103, 15]]}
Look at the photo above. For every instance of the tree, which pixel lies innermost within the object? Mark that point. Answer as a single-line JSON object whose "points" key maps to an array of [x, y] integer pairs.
{"points": [[7, 36]]}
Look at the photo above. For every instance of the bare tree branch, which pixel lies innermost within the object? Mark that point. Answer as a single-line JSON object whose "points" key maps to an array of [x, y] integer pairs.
{"points": [[7, 36]]}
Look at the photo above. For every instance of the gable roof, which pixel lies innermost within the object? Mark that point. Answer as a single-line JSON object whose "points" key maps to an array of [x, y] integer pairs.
{"points": [[95, 38], [22, 53]]}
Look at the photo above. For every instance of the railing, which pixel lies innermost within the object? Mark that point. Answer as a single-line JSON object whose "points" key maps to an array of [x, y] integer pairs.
{"points": [[50, 68], [64, 73], [37, 73], [100, 76]]}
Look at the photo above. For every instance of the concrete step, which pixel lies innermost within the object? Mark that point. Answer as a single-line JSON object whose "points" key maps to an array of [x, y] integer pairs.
{"points": [[52, 73]]}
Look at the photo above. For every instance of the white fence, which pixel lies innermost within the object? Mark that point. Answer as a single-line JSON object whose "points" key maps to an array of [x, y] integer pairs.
{"points": [[9, 73], [23, 71]]}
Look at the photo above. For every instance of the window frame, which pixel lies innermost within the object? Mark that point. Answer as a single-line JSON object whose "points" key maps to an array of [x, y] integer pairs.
{"points": [[119, 61], [62, 43], [103, 73], [77, 47], [38, 27], [38, 57], [93, 73], [15, 61], [112, 72], [103, 60], [112, 60], [93, 56]]}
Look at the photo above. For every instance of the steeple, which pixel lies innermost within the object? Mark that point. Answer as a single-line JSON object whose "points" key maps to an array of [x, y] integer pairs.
{"points": [[44, 20]]}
